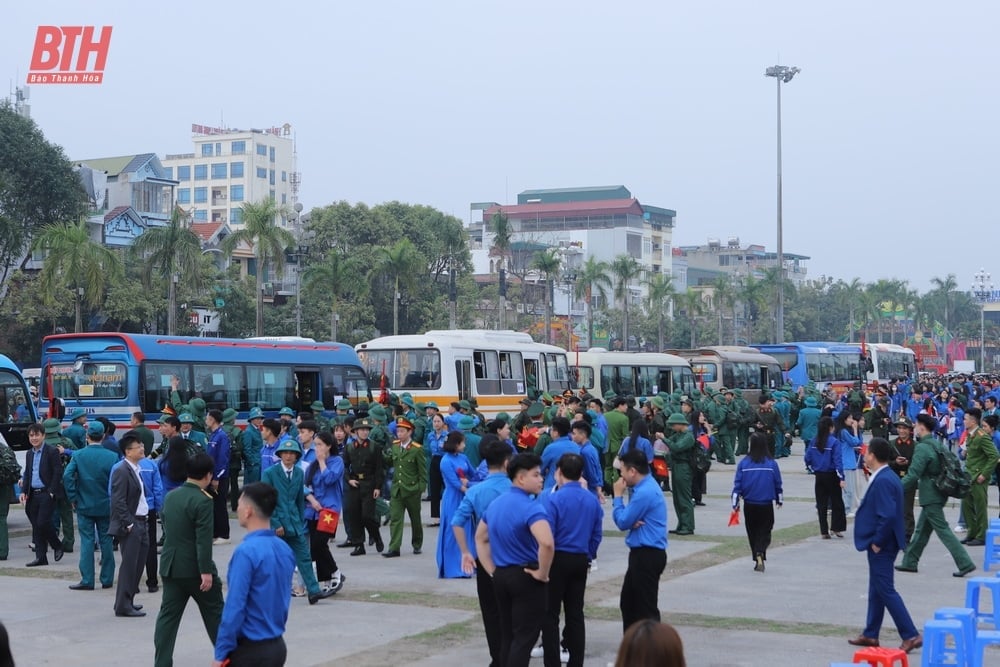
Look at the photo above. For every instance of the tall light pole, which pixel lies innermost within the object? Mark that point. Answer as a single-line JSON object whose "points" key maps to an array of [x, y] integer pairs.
{"points": [[781, 74], [982, 290]]}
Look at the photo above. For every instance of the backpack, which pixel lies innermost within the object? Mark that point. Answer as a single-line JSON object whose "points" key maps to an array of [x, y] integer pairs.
{"points": [[952, 481], [10, 469], [701, 460]]}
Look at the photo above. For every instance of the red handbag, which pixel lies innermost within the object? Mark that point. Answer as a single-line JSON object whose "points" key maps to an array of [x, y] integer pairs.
{"points": [[327, 521]]}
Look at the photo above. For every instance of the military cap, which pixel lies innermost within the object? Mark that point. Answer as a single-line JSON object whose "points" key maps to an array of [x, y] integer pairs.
{"points": [[535, 410], [677, 418], [408, 401], [289, 445], [904, 422], [464, 405], [228, 416], [403, 422], [286, 411], [317, 406], [363, 423], [256, 413], [51, 427], [343, 404], [95, 430], [76, 414], [466, 423], [186, 418]]}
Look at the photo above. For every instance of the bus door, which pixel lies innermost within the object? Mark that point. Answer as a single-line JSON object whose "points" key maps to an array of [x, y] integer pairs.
{"points": [[307, 387], [463, 378], [664, 382], [531, 377]]}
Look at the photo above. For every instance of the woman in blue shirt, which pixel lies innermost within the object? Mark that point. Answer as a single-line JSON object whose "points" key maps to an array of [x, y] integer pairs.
{"points": [[324, 490], [638, 439], [824, 459], [758, 482], [849, 434], [457, 473], [173, 464], [434, 442]]}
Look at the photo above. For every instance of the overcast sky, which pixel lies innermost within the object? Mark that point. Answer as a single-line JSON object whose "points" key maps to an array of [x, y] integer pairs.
{"points": [[890, 131]]}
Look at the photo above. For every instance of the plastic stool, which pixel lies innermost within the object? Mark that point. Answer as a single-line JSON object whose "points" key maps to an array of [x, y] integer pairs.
{"points": [[936, 652], [984, 638], [991, 553], [972, 589], [965, 616], [880, 656]]}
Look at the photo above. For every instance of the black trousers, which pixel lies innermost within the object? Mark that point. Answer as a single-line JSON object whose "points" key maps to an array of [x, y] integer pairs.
{"points": [[828, 494], [234, 487], [567, 585], [359, 507], [319, 550], [641, 587], [521, 600], [435, 486], [152, 558], [699, 482], [132, 546], [265, 653], [221, 509], [759, 520], [490, 612], [40, 507]]}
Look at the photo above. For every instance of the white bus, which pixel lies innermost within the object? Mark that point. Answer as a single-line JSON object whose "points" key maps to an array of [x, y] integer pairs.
{"points": [[890, 361], [734, 367], [636, 374], [497, 368]]}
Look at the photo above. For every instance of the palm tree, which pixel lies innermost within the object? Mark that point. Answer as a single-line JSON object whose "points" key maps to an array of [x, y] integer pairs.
{"points": [[398, 262], [724, 295], [691, 304], [625, 270], [172, 252], [336, 276], [548, 264], [755, 296], [660, 289], [946, 288], [882, 289], [268, 241], [592, 276], [74, 261], [868, 307], [849, 294], [502, 234]]}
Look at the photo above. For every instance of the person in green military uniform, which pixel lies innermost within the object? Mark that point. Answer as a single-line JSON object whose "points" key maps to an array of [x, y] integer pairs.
{"points": [[619, 426], [77, 428], [186, 564], [467, 425], [980, 461], [365, 474], [923, 470], [406, 457], [288, 519], [66, 446], [188, 431], [287, 417], [729, 421], [782, 437], [877, 420], [746, 417], [681, 442], [137, 423], [235, 455], [86, 481], [768, 421], [521, 419], [253, 442], [322, 423], [657, 421]]}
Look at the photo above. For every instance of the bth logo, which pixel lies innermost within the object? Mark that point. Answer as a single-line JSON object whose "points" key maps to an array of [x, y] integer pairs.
{"points": [[63, 54]]}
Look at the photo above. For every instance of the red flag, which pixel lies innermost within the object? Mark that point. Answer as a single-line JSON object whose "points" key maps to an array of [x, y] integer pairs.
{"points": [[734, 518], [383, 396], [864, 348]]}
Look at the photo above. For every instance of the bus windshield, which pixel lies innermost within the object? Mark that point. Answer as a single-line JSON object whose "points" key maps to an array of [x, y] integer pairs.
{"points": [[90, 380], [403, 369]]}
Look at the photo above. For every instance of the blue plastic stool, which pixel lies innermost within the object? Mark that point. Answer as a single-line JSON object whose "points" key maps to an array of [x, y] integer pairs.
{"points": [[972, 589], [967, 617], [936, 652], [984, 638], [991, 553]]}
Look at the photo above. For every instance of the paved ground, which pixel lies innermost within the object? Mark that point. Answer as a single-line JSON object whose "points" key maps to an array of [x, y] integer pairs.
{"points": [[797, 614]]}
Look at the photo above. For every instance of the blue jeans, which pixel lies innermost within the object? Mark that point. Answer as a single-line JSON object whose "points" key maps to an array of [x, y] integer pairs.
{"points": [[86, 525]]}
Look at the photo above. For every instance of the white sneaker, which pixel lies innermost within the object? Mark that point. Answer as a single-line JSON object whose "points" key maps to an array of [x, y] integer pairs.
{"points": [[959, 528], [538, 652], [851, 515], [593, 565], [220, 540], [563, 656]]}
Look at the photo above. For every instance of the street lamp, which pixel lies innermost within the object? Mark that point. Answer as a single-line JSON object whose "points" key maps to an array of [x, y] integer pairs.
{"points": [[569, 279], [982, 290], [781, 74]]}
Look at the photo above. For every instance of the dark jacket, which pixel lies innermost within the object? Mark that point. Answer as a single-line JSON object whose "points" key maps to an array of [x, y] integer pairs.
{"points": [[50, 470], [125, 493], [879, 519], [187, 533]]}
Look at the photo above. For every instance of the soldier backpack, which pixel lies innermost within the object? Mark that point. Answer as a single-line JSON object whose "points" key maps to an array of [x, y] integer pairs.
{"points": [[952, 481], [10, 469]]}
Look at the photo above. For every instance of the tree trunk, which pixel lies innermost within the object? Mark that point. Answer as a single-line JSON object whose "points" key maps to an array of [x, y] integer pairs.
{"points": [[395, 307], [735, 330], [625, 320], [171, 306], [692, 324], [78, 327], [333, 322], [851, 325], [260, 298], [548, 311], [659, 330], [590, 320], [720, 328]]}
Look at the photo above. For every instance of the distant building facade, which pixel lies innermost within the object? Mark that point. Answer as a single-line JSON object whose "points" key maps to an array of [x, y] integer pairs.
{"points": [[707, 262]]}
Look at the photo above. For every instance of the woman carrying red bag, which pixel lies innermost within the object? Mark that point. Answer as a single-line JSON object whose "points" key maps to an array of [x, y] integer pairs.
{"points": [[702, 431]]}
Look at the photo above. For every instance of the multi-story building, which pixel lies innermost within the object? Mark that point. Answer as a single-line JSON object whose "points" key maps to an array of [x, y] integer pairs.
{"points": [[229, 167], [600, 222], [707, 262]]}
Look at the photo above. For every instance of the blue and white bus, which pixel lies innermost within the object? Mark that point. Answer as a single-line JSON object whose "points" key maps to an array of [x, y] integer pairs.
{"points": [[17, 410], [839, 364], [117, 374]]}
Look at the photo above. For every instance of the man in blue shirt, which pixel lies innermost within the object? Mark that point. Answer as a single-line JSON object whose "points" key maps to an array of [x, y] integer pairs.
{"points": [[576, 518], [218, 449], [256, 609], [593, 472], [561, 444], [516, 547], [496, 454], [645, 519]]}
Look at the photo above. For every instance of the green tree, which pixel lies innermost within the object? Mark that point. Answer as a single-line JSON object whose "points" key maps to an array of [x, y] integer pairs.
{"points": [[268, 241], [590, 278], [848, 294], [548, 264], [38, 187], [336, 277], [170, 251], [503, 233], [73, 261], [625, 270], [724, 296], [944, 291], [660, 289], [401, 262], [691, 304]]}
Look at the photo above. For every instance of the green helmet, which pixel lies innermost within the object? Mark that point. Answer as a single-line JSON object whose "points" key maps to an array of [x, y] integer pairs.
{"points": [[289, 445]]}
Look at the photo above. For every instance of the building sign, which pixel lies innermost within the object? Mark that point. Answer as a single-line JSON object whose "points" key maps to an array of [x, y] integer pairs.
{"points": [[63, 54], [282, 131]]}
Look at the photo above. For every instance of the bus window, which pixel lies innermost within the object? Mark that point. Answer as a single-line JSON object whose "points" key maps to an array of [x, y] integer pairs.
{"points": [[706, 372], [787, 360], [729, 376], [556, 372], [531, 377], [156, 388], [219, 386], [512, 373], [92, 379], [584, 377], [13, 402], [619, 379], [342, 382], [648, 380], [463, 375], [487, 369], [814, 368], [270, 387]]}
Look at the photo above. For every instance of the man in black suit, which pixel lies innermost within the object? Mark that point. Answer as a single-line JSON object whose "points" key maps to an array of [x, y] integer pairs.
{"points": [[878, 531], [41, 490], [128, 523]]}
